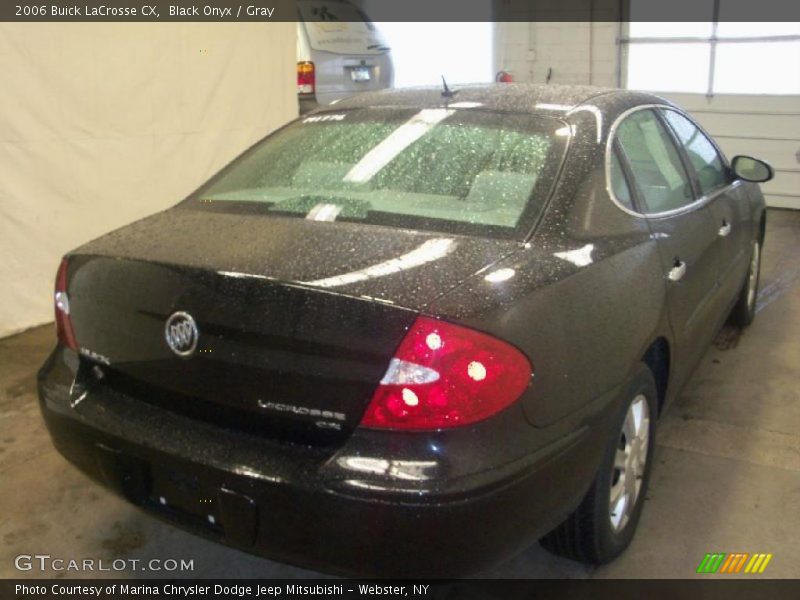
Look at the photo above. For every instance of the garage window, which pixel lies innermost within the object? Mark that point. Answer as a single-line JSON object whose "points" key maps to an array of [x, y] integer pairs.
{"points": [[714, 56]]}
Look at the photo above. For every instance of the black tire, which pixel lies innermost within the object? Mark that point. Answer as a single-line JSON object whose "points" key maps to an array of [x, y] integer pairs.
{"points": [[744, 311], [588, 534]]}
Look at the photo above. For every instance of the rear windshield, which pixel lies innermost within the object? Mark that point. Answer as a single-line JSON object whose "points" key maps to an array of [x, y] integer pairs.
{"points": [[440, 169]]}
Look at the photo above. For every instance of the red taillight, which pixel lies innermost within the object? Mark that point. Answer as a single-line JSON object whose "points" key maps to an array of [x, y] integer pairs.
{"points": [[305, 78], [444, 375], [65, 332]]}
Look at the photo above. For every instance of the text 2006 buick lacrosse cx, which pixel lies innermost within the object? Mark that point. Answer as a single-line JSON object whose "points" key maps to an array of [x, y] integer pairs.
{"points": [[413, 332]]}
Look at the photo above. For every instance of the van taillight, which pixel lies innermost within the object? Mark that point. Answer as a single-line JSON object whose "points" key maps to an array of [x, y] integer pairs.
{"points": [[445, 375], [305, 78], [64, 330]]}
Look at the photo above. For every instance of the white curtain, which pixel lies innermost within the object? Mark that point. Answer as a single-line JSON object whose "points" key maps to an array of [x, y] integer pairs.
{"points": [[104, 123]]}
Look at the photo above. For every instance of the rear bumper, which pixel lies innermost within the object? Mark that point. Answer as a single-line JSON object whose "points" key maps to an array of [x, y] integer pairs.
{"points": [[299, 505]]}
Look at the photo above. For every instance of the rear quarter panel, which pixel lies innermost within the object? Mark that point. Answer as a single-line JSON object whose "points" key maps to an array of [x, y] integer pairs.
{"points": [[586, 299]]}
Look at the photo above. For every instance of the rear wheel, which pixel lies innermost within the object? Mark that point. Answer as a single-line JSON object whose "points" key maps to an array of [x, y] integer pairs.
{"points": [[604, 523], [744, 311]]}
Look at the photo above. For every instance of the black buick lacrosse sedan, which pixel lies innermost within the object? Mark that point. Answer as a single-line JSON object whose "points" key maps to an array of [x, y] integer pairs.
{"points": [[411, 333]]}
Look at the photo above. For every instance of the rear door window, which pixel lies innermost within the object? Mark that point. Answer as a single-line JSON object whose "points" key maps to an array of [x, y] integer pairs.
{"points": [[655, 164], [703, 155]]}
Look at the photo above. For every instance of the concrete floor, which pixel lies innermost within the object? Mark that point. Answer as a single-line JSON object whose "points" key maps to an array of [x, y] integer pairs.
{"points": [[727, 477]]}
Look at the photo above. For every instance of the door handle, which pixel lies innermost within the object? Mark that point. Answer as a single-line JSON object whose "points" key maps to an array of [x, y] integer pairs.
{"points": [[677, 272], [725, 229]]}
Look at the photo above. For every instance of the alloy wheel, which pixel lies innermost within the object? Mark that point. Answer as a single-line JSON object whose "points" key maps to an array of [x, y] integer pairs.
{"points": [[629, 463]]}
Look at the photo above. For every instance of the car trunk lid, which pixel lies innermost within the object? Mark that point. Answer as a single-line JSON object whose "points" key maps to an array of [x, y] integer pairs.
{"points": [[296, 320]]}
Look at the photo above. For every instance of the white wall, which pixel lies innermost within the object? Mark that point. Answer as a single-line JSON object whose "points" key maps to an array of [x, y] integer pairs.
{"points": [[104, 123], [576, 52], [423, 52]]}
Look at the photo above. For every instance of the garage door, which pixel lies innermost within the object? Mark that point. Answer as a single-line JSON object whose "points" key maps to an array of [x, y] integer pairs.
{"points": [[764, 126]]}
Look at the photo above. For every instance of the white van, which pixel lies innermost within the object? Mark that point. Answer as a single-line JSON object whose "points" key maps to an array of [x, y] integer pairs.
{"points": [[339, 53]]}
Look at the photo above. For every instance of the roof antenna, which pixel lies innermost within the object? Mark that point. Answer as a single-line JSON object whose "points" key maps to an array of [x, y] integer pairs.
{"points": [[447, 92]]}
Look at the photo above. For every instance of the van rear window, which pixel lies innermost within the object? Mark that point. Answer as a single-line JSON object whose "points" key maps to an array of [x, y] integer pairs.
{"points": [[339, 27]]}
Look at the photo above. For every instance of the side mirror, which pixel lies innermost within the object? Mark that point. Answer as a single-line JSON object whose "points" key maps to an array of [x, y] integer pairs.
{"points": [[752, 169]]}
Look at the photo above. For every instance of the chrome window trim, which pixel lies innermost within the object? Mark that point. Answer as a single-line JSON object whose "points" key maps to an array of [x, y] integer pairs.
{"points": [[701, 201]]}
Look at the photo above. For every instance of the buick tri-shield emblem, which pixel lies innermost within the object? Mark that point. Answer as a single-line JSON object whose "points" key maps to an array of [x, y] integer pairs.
{"points": [[181, 333]]}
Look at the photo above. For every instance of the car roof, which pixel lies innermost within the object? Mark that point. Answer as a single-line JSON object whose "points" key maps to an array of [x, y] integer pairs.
{"points": [[511, 97]]}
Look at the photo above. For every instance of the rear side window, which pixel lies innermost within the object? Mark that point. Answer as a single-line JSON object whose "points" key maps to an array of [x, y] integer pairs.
{"points": [[442, 169], [619, 184], [703, 155], [655, 165]]}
